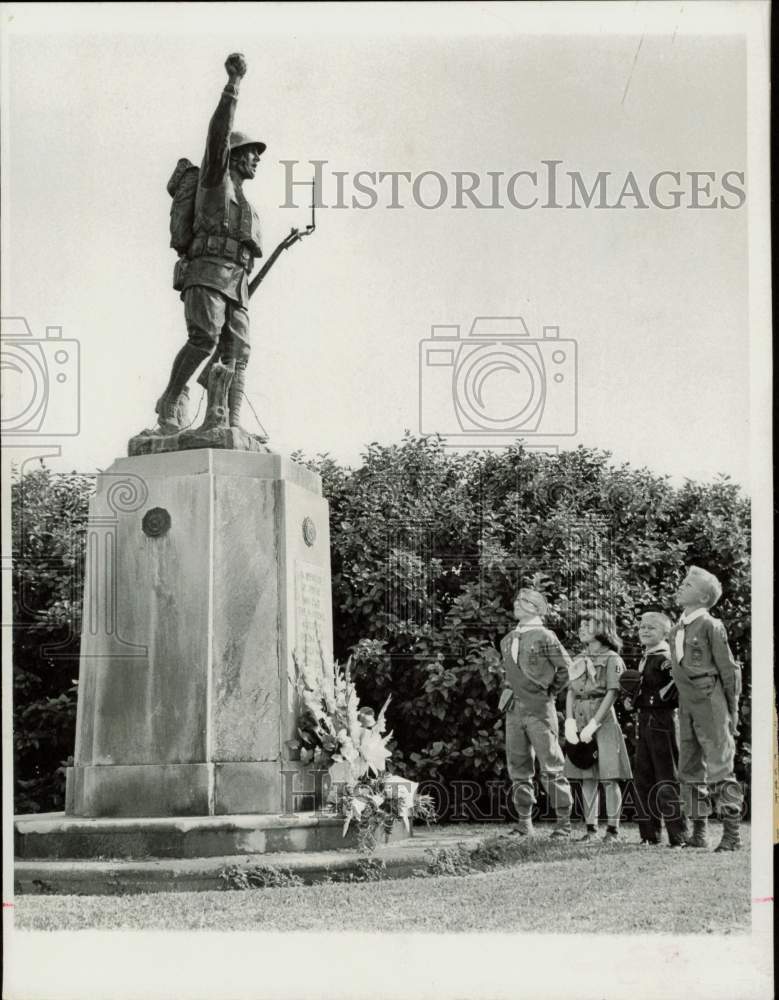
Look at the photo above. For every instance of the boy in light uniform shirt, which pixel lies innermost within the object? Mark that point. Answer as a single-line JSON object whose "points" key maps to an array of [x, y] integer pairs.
{"points": [[536, 666], [709, 684]]}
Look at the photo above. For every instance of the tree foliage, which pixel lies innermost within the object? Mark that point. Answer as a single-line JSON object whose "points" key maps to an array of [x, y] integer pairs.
{"points": [[49, 517]]}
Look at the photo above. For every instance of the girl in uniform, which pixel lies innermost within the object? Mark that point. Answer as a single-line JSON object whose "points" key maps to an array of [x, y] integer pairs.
{"points": [[590, 715]]}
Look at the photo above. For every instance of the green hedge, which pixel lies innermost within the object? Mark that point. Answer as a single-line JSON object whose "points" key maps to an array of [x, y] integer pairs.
{"points": [[49, 518], [427, 549]]}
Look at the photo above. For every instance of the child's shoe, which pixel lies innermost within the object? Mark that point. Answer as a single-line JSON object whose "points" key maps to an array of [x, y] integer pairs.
{"points": [[590, 835], [562, 829], [728, 844], [698, 837], [611, 836], [648, 842], [731, 838]]}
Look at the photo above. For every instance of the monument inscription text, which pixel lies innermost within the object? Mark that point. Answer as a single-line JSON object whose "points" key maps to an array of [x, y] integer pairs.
{"points": [[310, 614]]}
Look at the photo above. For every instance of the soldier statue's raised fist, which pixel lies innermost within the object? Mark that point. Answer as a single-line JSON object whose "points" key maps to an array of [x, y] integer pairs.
{"points": [[235, 64]]}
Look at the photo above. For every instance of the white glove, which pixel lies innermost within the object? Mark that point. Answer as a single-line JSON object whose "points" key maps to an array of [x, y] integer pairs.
{"points": [[589, 731], [571, 735]]}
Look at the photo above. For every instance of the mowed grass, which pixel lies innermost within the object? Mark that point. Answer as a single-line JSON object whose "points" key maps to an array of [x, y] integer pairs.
{"points": [[554, 889]]}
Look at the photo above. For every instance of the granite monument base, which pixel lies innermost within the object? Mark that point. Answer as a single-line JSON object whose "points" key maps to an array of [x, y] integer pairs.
{"points": [[207, 579]]}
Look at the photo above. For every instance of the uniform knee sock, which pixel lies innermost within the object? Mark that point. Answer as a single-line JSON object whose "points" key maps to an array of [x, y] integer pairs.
{"points": [[590, 801], [235, 397], [613, 802]]}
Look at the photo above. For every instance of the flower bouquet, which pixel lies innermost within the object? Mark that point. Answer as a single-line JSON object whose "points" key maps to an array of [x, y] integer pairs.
{"points": [[350, 742]]}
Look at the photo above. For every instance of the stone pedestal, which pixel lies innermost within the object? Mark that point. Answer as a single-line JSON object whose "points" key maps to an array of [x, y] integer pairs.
{"points": [[206, 571]]}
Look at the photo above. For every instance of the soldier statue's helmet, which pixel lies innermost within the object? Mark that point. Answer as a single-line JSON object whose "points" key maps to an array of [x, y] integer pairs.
{"points": [[240, 139]]}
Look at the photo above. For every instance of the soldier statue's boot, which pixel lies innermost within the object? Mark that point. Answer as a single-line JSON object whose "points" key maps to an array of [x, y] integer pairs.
{"points": [[235, 395], [172, 415], [698, 837], [731, 837], [182, 408], [173, 400], [167, 417], [219, 379]]}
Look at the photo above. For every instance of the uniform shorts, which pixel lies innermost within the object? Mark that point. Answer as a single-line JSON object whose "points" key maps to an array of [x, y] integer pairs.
{"points": [[213, 319]]}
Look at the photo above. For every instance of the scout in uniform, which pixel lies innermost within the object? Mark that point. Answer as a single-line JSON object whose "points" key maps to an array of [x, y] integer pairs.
{"points": [[536, 668], [709, 684], [589, 711], [657, 753]]}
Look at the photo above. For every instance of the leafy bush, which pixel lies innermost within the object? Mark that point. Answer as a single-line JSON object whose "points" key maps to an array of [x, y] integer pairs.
{"points": [[503, 851], [447, 861], [365, 869], [48, 515], [258, 877]]}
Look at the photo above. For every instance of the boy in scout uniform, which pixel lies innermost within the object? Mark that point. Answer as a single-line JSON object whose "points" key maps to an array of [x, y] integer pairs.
{"points": [[709, 684], [536, 668], [657, 754]]}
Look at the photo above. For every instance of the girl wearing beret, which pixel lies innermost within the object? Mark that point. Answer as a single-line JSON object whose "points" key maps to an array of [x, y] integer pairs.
{"points": [[590, 715]]}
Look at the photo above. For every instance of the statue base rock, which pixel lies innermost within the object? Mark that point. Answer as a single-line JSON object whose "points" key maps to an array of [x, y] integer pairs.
{"points": [[228, 438], [207, 572]]}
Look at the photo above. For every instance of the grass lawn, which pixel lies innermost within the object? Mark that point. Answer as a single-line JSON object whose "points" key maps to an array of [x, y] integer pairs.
{"points": [[553, 888]]}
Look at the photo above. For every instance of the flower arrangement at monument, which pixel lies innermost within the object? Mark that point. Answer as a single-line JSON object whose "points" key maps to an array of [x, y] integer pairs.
{"points": [[351, 743]]}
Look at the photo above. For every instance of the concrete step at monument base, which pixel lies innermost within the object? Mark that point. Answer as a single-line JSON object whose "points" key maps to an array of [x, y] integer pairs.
{"points": [[56, 836], [108, 878], [401, 858]]}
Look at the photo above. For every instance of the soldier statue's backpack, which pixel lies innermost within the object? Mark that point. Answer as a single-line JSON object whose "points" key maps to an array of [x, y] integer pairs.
{"points": [[182, 187]]}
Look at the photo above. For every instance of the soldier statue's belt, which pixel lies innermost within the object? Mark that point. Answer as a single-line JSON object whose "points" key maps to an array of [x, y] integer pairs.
{"points": [[222, 246]]}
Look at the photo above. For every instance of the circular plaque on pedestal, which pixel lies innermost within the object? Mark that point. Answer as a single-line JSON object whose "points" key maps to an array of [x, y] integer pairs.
{"points": [[309, 531], [156, 522]]}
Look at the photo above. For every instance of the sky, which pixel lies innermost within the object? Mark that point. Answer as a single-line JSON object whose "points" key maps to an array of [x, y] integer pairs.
{"points": [[655, 300]]}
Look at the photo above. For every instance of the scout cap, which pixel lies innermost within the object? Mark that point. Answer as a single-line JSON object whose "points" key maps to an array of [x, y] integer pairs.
{"points": [[238, 139], [582, 755]]}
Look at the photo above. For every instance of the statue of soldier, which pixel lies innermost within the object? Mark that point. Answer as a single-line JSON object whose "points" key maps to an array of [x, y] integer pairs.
{"points": [[212, 273]]}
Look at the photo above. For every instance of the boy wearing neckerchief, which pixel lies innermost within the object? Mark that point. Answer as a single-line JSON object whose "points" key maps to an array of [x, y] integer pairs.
{"points": [[536, 667], [657, 754], [709, 684]]}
